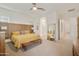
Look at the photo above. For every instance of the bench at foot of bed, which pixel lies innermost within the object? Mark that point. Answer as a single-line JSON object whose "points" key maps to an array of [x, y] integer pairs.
{"points": [[24, 45]]}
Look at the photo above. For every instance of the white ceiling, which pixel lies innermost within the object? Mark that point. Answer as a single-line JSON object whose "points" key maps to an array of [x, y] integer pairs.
{"points": [[60, 8], [50, 7]]}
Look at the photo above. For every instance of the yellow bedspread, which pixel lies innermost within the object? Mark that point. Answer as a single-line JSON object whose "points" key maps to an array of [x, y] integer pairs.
{"points": [[20, 39]]}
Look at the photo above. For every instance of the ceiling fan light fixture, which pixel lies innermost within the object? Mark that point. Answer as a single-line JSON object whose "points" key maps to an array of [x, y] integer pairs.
{"points": [[34, 8]]}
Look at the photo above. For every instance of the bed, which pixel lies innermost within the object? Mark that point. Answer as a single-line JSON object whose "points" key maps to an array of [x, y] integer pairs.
{"points": [[21, 40]]}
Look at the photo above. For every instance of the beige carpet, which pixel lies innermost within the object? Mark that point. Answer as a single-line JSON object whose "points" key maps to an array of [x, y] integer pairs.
{"points": [[46, 48]]}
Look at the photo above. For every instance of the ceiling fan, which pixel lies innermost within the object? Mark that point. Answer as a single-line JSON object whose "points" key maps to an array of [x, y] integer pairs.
{"points": [[34, 7]]}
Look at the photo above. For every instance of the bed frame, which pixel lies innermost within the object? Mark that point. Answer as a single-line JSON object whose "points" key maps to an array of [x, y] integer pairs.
{"points": [[31, 42]]}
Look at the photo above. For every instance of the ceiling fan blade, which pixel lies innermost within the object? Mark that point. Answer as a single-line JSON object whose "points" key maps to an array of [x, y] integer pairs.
{"points": [[34, 7], [34, 4], [41, 9]]}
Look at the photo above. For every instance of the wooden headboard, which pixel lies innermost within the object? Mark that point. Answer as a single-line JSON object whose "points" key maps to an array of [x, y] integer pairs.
{"points": [[11, 27]]}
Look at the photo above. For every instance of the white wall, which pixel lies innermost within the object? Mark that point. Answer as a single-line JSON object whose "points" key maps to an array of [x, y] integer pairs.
{"points": [[14, 17], [73, 28], [43, 28], [34, 19], [69, 28], [51, 20]]}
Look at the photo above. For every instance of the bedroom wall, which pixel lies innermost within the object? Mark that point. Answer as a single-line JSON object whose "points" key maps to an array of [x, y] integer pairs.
{"points": [[33, 19], [69, 28], [11, 27], [13, 17], [52, 19], [8, 16]]}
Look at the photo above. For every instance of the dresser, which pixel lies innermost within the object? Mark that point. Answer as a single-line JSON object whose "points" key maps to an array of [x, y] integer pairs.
{"points": [[76, 48], [2, 43], [76, 42]]}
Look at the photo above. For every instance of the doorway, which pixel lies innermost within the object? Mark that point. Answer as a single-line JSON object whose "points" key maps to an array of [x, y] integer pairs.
{"points": [[68, 28]]}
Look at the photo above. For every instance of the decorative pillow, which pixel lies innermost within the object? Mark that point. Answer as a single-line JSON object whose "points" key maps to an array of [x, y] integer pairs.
{"points": [[15, 33], [22, 32]]}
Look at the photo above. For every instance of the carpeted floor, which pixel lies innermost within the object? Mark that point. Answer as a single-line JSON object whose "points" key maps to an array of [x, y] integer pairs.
{"points": [[11, 46], [46, 48]]}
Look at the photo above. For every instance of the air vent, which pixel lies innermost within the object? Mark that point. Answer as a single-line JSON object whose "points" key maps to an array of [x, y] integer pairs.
{"points": [[71, 10]]}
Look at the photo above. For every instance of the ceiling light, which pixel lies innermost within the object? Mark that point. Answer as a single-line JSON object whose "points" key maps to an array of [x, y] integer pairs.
{"points": [[34, 8]]}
